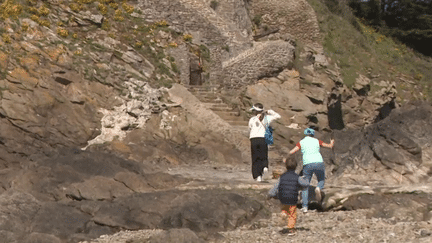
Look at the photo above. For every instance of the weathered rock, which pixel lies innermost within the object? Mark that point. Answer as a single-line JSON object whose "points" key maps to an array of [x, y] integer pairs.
{"points": [[362, 85], [206, 212], [17, 209], [133, 181], [94, 179], [98, 188], [41, 238], [65, 77], [295, 106], [64, 221], [402, 207], [203, 119], [176, 236], [387, 152]]}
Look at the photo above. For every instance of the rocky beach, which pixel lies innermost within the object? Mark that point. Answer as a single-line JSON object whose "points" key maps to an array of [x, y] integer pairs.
{"points": [[127, 122]]}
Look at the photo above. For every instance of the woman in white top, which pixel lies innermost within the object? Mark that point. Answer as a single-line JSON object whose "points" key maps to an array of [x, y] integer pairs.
{"points": [[259, 149]]}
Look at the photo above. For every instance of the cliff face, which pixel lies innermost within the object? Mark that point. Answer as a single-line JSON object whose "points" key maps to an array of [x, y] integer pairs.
{"points": [[85, 73], [93, 107]]}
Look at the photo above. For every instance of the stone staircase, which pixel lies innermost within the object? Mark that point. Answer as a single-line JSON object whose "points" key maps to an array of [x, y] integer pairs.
{"points": [[209, 96]]}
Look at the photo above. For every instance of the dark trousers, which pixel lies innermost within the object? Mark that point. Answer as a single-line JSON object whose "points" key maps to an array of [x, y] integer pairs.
{"points": [[259, 151]]}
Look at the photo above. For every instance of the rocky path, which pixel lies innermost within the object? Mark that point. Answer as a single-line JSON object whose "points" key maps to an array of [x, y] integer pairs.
{"points": [[339, 226], [331, 226]]}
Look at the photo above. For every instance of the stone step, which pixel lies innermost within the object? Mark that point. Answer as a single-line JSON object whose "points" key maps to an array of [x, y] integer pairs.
{"points": [[216, 105], [221, 109], [233, 119], [209, 86], [210, 99], [242, 129], [227, 113], [204, 93], [202, 88], [238, 123]]}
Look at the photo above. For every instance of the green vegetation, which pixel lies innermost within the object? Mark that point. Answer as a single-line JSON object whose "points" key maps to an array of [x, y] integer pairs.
{"points": [[214, 4], [410, 21], [257, 19], [205, 52], [360, 49]]}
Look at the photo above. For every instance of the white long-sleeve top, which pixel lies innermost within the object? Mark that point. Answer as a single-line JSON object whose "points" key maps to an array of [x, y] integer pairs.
{"points": [[257, 128]]}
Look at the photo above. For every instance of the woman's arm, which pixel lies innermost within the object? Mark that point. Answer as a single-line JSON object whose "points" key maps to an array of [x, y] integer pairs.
{"points": [[272, 115], [328, 145], [295, 149]]}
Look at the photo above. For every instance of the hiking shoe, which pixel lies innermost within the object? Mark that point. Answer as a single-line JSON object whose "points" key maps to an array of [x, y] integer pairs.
{"points": [[318, 194], [288, 231], [259, 179], [292, 231], [304, 210]]}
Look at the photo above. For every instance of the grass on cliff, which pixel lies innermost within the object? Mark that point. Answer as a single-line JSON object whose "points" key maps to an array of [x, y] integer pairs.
{"points": [[359, 49], [118, 24]]}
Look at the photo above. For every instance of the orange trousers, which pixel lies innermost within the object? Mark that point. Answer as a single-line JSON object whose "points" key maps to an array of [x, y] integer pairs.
{"points": [[290, 212]]}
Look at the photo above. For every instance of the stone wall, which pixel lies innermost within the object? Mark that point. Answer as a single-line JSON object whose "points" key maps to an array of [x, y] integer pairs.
{"points": [[263, 60], [181, 17], [294, 17], [182, 60]]}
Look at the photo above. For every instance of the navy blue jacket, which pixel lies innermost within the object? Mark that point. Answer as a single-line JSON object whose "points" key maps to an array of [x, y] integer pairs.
{"points": [[288, 188]]}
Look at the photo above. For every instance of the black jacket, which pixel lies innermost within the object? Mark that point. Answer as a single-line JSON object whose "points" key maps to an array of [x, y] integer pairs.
{"points": [[288, 188]]}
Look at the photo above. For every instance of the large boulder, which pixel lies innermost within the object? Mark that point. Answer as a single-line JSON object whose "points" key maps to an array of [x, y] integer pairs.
{"points": [[392, 151]]}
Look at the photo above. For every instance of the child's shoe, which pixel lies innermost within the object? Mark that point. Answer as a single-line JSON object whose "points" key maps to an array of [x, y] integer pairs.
{"points": [[292, 231], [288, 231]]}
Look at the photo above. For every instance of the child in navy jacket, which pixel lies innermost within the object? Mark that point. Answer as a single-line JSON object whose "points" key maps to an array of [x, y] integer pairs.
{"points": [[286, 190]]}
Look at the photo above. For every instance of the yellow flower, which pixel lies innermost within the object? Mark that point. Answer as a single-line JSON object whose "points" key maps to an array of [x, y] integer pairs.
{"points": [[62, 32], [24, 27], [138, 44], [44, 11], [6, 38], [103, 8], [187, 37]]}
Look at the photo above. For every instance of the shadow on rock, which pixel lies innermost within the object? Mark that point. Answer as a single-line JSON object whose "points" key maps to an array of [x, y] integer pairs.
{"points": [[392, 151], [405, 207]]}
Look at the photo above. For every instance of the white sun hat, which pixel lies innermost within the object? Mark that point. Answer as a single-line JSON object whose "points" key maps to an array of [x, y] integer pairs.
{"points": [[256, 108]]}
